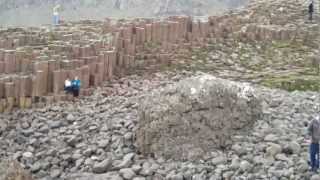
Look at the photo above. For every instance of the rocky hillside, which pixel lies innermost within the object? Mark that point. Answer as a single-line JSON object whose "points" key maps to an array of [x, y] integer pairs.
{"points": [[31, 12], [96, 137]]}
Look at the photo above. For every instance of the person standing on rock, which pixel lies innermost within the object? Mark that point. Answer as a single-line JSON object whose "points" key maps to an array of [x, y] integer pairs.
{"points": [[56, 17], [76, 83], [310, 10], [314, 133], [67, 85]]}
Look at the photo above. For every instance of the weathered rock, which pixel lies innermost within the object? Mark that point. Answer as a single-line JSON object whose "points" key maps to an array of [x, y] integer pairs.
{"points": [[274, 149], [103, 166], [136, 168], [295, 147], [127, 173], [219, 160], [12, 170], [125, 163], [175, 177], [245, 166], [36, 167], [146, 169], [70, 117], [55, 173], [235, 164], [103, 143], [86, 176], [194, 116], [271, 138]]}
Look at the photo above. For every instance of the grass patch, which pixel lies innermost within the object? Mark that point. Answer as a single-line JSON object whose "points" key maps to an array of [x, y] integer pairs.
{"points": [[294, 83]]}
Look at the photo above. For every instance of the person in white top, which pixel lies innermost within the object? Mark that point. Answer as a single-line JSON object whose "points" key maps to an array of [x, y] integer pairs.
{"points": [[67, 85], [56, 17]]}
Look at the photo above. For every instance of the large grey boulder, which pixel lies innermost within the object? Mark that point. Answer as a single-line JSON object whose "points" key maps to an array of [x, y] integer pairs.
{"points": [[194, 116]]}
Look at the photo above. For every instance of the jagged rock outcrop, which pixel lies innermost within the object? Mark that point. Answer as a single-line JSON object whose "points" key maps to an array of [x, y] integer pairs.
{"points": [[187, 120]]}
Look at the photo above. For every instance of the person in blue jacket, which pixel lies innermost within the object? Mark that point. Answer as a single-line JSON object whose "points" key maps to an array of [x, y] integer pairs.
{"points": [[76, 84]]}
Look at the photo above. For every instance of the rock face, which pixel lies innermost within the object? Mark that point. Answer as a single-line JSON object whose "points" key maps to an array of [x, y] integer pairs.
{"points": [[190, 118], [11, 170]]}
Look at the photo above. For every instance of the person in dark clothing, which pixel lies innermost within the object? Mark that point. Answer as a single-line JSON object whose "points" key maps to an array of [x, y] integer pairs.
{"points": [[314, 133], [311, 10], [76, 84]]}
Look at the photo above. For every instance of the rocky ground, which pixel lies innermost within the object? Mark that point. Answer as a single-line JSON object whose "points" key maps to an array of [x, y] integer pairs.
{"points": [[94, 137], [279, 64]]}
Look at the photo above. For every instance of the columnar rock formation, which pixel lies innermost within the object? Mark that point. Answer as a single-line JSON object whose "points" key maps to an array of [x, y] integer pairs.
{"points": [[35, 62], [189, 119]]}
